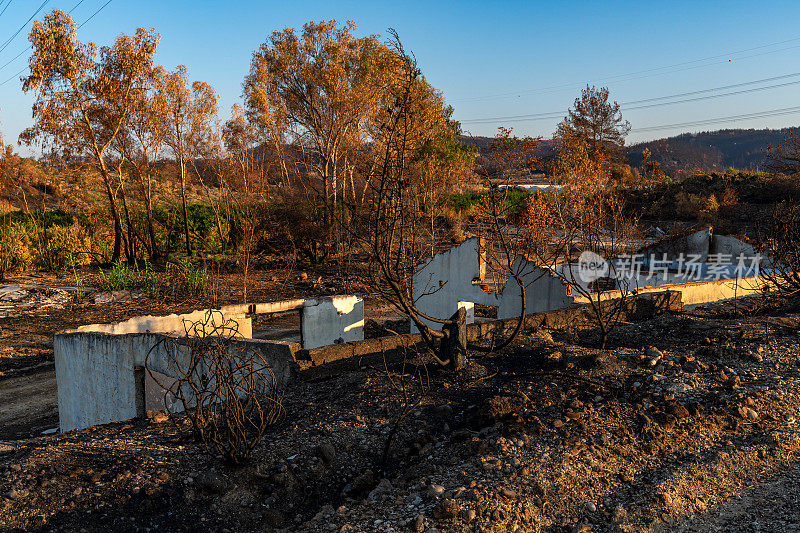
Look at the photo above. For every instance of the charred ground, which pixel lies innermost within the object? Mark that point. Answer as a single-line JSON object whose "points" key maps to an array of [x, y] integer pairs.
{"points": [[687, 422]]}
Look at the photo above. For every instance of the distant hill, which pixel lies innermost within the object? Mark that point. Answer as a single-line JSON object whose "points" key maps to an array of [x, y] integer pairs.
{"points": [[711, 150], [482, 143]]}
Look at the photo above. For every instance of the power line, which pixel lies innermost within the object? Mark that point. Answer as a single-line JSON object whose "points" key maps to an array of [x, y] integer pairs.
{"points": [[4, 9], [82, 24], [5, 44], [655, 71], [29, 47], [655, 102], [725, 87], [747, 116], [98, 10], [75, 6], [14, 58], [719, 120], [712, 96]]}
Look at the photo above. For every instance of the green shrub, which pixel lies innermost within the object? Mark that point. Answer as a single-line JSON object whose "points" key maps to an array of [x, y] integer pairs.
{"points": [[203, 228], [513, 201], [150, 282], [47, 240], [196, 279], [58, 246], [119, 277], [463, 201], [45, 219], [123, 276], [188, 276]]}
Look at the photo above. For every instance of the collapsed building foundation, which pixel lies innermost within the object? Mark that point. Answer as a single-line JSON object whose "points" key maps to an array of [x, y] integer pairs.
{"points": [[100, 368], [456, 277], [100, 371]]}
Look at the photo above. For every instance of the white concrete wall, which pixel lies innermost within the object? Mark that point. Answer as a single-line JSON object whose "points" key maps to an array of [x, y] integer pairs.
{"points": [[95, 364], [95, 376], [733, 246], [446, 279], [544, 291], [700, 292], [697, 243], [175, 324], [332, 320], [95, 372]]}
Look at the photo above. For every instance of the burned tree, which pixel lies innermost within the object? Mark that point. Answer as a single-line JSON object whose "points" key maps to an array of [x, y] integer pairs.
{"points": [[779, 238], [596, 229], [398, 238], [227, 391]]}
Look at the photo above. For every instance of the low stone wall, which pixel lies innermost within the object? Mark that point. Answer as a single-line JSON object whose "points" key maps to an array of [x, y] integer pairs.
{"points": [[703, 291], [639, 307]]}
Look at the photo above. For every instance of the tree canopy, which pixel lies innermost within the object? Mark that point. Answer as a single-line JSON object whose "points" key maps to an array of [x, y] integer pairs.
{"points": [[598, 123]]}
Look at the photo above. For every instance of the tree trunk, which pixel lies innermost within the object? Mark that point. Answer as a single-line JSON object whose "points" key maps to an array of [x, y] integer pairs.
{"points": [[185, 209], [130, 240], [115, 215], [454, 343], [151, 231]]}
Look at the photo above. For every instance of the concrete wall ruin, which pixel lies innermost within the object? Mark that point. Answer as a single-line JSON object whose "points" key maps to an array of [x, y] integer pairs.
{"points": [[449, 278], [452, 279], [100, 376], [332, 320], [697, 243], [100, 371], [176, 324], [703, 244], [544, 291]]}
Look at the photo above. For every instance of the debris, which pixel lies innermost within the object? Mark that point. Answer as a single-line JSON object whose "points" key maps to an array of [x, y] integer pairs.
{"points": [[118, 297]]}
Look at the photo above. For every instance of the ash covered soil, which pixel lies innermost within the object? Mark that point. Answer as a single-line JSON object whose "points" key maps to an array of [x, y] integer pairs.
{"points": [[687, 422]]}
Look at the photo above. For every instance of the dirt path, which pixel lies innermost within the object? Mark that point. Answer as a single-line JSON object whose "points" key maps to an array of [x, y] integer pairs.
{"points": [[28, 404]]}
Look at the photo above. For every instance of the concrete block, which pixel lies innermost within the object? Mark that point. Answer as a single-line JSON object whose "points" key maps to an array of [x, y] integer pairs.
{"points": [[96, 373], [174, 324], [332, 320], [96, 376]]}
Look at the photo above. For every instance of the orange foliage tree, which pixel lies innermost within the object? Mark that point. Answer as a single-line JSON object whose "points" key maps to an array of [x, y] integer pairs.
{"points": [[189, 112], [321, 97], [83, 94]]}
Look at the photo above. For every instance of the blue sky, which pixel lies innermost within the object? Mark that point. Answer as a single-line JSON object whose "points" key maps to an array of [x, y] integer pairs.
{"points": [[490, 59]]}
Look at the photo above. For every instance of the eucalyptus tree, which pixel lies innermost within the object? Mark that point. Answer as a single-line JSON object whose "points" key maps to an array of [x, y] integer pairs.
{"points": [[84, 93], [190, 112]]}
